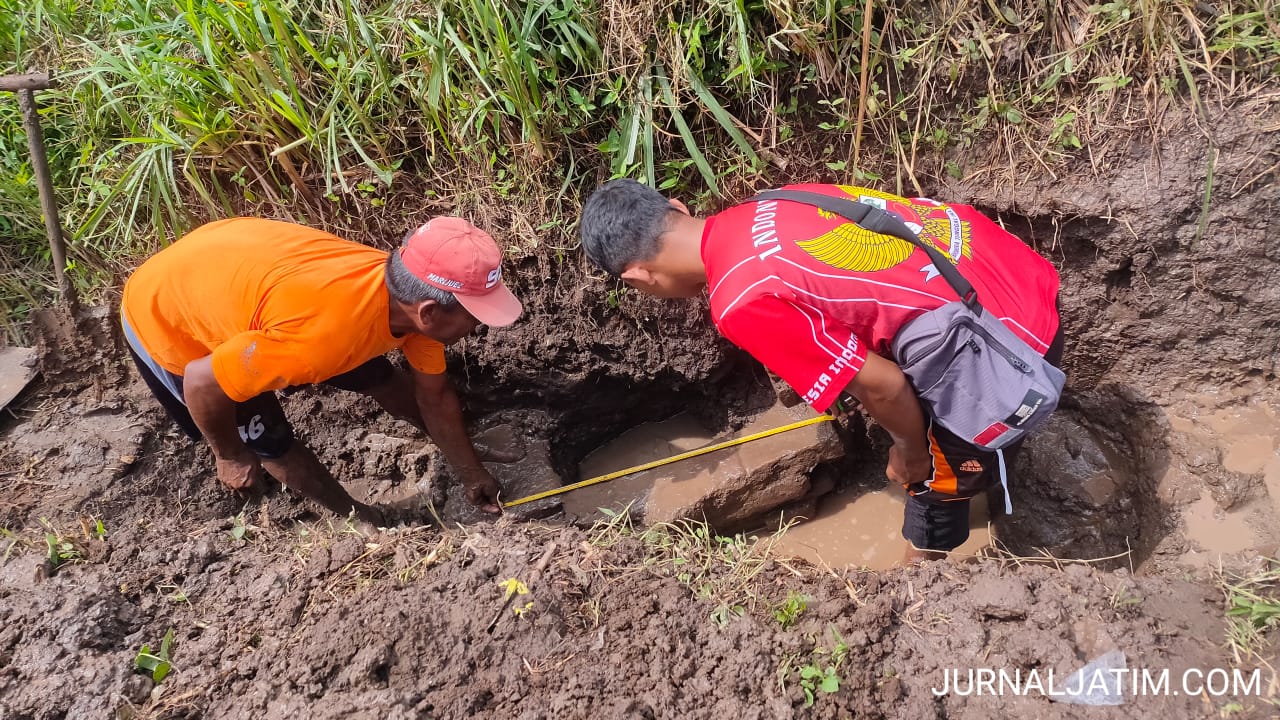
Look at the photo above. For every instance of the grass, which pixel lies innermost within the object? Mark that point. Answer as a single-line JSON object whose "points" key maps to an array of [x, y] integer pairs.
{"points": [[725, 571], [790, 609], [721, 569], [360, 117], [1252, 610], [60, 549]]}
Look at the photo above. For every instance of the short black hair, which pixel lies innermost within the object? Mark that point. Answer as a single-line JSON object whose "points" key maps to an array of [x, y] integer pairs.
{"points": [[621, 224], [408, 288]]}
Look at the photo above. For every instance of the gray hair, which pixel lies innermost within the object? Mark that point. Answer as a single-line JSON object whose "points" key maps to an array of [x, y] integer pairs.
{"points": [[408, 288], [621, 224]]}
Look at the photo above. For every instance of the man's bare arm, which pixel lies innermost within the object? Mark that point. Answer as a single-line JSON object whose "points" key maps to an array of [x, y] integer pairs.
{"points": [[442, 412], [213, 411], [215, 414], [886, 394]]}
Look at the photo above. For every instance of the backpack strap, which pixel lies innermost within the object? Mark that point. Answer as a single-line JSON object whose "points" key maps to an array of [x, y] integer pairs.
{"points": [[883, 222]]}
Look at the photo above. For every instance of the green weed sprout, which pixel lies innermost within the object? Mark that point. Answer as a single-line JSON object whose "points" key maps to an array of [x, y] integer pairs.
{"points": [[156, 665]]}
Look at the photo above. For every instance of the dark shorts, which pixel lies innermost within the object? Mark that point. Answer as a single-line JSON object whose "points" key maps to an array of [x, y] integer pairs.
{"points": [[260, 419], [937, 512]]}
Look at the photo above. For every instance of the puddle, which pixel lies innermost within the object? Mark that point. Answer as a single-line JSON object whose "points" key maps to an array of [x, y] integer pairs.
{"points": [[1217, 532], [641, 444], [855, 528], [1248, 433], [1243, 425], [852, 527]]}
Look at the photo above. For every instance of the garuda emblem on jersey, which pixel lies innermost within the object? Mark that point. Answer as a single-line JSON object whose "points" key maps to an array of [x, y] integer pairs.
{"points": [[851, 247]]}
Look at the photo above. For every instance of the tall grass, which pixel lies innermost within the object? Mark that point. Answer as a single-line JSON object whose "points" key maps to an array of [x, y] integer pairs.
{"points": [[340, 111]]}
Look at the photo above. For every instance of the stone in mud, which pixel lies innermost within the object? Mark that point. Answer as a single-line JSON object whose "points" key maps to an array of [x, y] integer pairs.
{"points": [[1072, 494], [528, 475], [731, 487]]}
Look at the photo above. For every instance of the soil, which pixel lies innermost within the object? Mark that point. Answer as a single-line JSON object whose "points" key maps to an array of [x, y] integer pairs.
{"points": [[1161, 466]]}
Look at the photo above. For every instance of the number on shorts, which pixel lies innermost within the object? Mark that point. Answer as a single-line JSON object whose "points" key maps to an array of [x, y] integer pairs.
{"points": [[253, 430]]}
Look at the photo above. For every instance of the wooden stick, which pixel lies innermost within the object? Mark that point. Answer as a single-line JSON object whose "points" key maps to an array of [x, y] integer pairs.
{"points": [[862, 83], [29, 81], [48, 203]]}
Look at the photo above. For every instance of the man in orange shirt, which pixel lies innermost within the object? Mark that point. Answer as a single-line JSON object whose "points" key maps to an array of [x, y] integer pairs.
{"points": [[241, 308]]}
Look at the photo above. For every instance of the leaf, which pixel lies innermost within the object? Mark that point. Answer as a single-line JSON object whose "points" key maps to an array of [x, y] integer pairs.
{"points": [[166, 644], [808, 672], [157, 667], [513, 587], [723, 117], [690, 145], [831, 682]]}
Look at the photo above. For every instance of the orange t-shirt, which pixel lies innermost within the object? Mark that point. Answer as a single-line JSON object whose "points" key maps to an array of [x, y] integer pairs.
{"points": [[277, 304]]}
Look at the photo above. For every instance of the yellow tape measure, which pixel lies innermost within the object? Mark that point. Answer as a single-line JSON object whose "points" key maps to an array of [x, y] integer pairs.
{"points": [[674, 458]]}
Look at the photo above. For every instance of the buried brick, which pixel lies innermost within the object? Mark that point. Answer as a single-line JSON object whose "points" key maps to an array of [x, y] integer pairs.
{"points": [[727, 487]]}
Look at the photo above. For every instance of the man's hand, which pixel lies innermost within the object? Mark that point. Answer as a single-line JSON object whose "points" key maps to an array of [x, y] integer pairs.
{"points": [[241, 472], [482, 489], [885, 393], [908, 466], [442, 412]]}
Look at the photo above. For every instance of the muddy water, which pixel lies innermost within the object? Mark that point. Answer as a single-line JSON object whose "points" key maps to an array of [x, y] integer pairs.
{"points": [[639, 445], [856, 528], [1216, 531], [852, 527], [1241, 429]]}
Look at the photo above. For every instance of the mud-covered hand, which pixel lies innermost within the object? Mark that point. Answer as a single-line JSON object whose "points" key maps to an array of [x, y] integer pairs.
{"points": [[908, 466], [241, 472], [482, 489], [844, 407]]}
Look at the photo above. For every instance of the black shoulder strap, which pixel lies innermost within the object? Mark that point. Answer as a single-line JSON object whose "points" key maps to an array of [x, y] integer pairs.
{"points": [[886, 223]]}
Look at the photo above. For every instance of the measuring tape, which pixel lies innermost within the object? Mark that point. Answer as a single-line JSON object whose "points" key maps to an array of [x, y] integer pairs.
{"points": [[673, 458]]}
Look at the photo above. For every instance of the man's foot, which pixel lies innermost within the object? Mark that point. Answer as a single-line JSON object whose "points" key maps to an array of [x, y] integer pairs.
{"points": [[914, 555]]}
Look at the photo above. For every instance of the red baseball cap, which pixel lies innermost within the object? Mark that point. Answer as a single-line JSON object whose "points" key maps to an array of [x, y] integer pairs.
{"points": [[451, 254]]}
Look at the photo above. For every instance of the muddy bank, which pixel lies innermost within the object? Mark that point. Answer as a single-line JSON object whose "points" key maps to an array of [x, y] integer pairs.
{"points": [[303, 619], [299, 614]]}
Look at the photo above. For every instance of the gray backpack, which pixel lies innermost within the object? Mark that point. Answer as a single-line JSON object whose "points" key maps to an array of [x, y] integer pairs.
{"points": [[980, 381]]}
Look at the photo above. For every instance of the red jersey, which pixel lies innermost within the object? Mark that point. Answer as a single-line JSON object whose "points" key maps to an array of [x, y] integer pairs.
{"points": [[808, 293]]}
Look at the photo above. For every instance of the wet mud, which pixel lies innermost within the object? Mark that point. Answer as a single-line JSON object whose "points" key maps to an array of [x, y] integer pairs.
{"points": [[1161, 467]]}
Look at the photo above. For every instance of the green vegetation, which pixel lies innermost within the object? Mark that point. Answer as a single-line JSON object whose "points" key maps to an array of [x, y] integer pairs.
{"points": [[820, 671], [59, 548], [812, 678], [724, 570], [363, 117], [719, 568], [156, 665], [241, 530], [1253, 609], [790, 610]]}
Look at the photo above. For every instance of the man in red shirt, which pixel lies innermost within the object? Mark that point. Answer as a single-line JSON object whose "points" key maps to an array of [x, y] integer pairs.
{"points": [[818, 300]]}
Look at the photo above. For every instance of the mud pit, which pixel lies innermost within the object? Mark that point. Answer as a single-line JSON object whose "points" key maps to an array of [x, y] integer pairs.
{"points": [[1163, 461]]}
